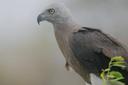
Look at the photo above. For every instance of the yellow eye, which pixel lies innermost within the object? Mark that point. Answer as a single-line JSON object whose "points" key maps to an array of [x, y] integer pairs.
{"points": [[51, 11]]}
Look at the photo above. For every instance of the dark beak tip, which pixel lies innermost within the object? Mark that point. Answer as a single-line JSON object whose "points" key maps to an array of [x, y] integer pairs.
{"points": [[39, 19], [38, 22]]}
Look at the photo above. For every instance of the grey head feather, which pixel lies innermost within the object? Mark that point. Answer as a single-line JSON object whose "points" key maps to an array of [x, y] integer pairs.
{"points": [[61, 14]]}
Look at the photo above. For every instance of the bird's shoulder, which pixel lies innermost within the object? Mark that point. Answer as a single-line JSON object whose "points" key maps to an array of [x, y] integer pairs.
{"points": [[88, 35], [87, 30]]}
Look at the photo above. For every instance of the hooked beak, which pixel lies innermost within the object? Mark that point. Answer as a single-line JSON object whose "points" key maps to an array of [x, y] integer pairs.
{"points": [[40, 18]]}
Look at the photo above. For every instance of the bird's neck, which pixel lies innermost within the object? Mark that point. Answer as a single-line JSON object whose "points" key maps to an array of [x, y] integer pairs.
{"points": [[66, 26], [63, 32]]}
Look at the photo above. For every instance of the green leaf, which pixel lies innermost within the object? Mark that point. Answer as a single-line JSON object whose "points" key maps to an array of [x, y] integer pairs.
{"points": [[108, 69], [116, 74], [111, 82], [122, 66], [119, 63], [118, 79], [117, 58]]}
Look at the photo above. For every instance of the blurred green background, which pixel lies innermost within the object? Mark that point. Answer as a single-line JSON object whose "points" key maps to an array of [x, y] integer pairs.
{"points": [[29, 54]]}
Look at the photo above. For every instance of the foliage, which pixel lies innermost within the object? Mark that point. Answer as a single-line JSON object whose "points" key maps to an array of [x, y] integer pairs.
{"points": [[113, 77]]}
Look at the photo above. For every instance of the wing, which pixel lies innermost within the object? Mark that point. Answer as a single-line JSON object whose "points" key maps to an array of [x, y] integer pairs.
{"points": [[94, 49]]}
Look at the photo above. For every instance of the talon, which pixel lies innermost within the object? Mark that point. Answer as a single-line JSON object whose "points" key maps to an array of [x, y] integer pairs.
{"points": [[67, 66]]}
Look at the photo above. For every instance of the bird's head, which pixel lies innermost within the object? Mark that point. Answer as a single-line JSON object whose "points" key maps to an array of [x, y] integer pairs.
{"points": [[55, 13]]}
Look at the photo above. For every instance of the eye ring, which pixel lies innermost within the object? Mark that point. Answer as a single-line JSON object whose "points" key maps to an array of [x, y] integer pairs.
{"points": [[51, 11]]}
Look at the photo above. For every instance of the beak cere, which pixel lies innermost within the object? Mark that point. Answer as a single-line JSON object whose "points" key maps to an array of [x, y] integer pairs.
{"points": [[39, 19]]}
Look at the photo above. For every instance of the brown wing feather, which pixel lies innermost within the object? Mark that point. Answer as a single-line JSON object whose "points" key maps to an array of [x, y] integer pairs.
{"points": [[110, 46]]}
